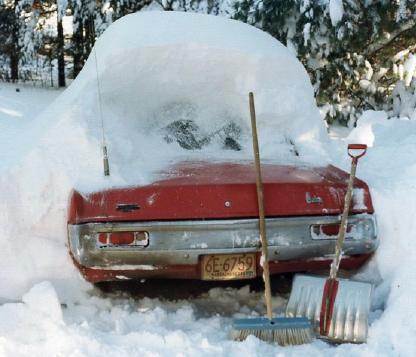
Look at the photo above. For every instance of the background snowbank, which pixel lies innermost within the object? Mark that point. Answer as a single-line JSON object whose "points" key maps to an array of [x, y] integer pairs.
{"points": [[390, 170]]}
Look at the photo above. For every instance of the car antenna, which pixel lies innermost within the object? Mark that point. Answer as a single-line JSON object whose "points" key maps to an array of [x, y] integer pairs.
{"points": [[104, 145]]}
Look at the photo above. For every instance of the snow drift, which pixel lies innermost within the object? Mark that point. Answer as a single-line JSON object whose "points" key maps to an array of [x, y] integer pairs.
{"points": [[154, 69], [157, 69]]}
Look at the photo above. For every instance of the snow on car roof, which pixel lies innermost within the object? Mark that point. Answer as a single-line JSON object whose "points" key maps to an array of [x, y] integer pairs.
{"points": [[175, 86]]}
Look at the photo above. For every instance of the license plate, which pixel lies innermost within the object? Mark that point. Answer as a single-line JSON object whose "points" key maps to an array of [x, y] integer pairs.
{"points": [[228, 266]]}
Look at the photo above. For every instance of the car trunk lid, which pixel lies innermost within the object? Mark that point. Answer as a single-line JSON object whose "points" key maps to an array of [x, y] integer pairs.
{"points": [[201, 190]]}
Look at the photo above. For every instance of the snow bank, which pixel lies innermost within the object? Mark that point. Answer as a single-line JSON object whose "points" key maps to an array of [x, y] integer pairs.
{"points": [[145, 327], [154, 69], [390, 169]]}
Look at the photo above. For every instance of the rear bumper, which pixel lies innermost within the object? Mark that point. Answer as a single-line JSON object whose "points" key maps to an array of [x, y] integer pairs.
{"points": [[175, 248], [193, 271]]}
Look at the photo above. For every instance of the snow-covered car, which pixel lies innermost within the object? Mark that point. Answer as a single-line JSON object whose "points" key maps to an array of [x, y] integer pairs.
{"points": [[181, 200], [201, 223]]}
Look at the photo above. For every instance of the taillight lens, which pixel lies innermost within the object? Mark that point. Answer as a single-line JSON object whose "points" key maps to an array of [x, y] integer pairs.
{"points": [[333, 229], [140, 238], [122, 238], [327, 231]]}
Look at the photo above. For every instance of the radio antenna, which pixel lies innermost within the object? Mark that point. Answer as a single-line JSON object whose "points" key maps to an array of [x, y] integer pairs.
{"points": [[103, 141]]}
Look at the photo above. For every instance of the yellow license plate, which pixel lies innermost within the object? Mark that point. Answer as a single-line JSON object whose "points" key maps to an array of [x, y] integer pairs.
{"points": [[228, 266]]}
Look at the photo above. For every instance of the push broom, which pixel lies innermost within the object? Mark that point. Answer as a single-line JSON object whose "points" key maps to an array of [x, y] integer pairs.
{"points": [[283, 331]]}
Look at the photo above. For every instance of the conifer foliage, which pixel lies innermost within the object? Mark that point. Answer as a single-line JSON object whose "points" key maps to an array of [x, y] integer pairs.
{"points": [[354, 50], [360, 54]]}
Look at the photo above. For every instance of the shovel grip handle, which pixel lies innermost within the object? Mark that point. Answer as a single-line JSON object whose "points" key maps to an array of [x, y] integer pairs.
{"points": [[361, 147]]}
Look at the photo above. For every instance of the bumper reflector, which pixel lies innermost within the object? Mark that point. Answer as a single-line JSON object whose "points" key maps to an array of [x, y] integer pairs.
{"points": [[103, 238]]}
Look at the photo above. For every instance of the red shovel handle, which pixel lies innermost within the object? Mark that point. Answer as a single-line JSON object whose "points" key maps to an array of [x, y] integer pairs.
{"points": [[361, 147], [327, 306]]}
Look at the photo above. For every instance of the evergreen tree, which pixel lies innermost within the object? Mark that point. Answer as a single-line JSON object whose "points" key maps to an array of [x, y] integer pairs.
{"points": [[120, 8], [346, 46], [61, 7], [48, 42], [9, 36], [359, 54], [83, 38], [214, 7]]}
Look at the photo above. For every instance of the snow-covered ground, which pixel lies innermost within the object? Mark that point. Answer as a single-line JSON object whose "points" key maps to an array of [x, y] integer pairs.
{"points": [[47, 309]]}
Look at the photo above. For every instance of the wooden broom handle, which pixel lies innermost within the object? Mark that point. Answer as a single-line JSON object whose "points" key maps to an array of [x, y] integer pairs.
{"points": [[260, 202]]}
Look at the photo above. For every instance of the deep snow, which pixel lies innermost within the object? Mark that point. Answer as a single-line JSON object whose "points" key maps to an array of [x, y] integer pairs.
{"points": [[55, 313], [183, 67]]}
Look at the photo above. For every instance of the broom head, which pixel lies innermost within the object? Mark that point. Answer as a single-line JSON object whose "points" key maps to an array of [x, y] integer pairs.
{"points": [[283, 331]]}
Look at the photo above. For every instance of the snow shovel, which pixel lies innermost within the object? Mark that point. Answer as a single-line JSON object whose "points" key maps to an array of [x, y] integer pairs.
{"points": [[339, 308]]}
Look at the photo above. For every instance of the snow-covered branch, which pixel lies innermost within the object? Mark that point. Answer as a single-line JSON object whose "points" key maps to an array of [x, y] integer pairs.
{"points": [[386, 40]]}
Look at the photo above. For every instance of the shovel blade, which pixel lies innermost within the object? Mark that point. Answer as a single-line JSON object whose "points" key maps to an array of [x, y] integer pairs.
{"points": [[349, 321]]}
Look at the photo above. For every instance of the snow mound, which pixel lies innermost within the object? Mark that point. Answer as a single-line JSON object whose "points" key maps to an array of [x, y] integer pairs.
{"points": [[167, 81], [43, 299], [390, 168], [164, 70]]}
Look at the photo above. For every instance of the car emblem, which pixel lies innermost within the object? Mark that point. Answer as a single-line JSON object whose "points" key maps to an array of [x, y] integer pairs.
{"points": [[312, 199]]}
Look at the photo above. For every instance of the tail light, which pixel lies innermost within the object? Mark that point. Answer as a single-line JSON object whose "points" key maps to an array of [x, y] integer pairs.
{"points": [[359, 227], [328, 231], [122, 238], [140, 238]]}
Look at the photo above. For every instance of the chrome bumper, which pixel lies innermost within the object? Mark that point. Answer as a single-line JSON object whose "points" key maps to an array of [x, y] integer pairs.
{"points": [[183, 242]]}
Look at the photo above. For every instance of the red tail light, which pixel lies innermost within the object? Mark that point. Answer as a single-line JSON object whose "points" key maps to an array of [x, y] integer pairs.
{"points": [[330, 229], [122, 238], [327, 231], [333, 229]]}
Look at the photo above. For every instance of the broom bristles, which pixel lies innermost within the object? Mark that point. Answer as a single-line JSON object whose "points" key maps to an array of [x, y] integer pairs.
{"points": [[283, 337], [281, 331]]}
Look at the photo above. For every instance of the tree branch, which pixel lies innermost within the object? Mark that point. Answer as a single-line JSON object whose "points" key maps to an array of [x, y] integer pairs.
{"points": [[166, 5], [383, 41]]}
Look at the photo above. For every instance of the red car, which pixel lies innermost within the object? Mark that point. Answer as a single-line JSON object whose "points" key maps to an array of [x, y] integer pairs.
{"points": [[200, 221]]}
